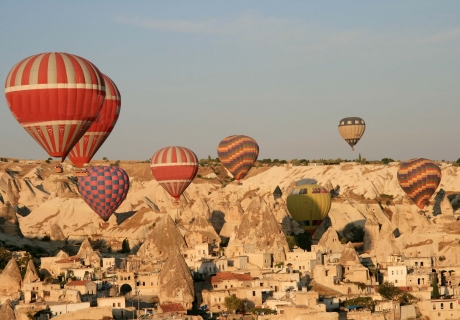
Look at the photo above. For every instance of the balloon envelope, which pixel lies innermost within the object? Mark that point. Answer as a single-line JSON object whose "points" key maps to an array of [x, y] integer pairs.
{"points": [[309, 205], [419, 178], [352, 129], [238, 154], [55, 97], [99, 131], [174, 168], [104, 189]]}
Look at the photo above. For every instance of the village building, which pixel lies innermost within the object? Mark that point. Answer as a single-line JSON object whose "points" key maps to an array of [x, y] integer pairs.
{"points": [[83, 286]]}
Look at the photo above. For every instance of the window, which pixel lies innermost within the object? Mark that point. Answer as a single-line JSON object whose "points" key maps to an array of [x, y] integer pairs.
{"points": [[261, 284], [113, 304], [396, 281], [434, 306], [392, 273], [253, 293], [119, 304], [215, 286], [442, 305], [421, 264], [451, 305]]}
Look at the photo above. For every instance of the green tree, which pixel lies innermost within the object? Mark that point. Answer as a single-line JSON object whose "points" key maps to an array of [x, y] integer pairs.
{"points": [[389, 291], [233, 303], [105, 159], [387, 160], [434, 284], [295, 162], [291, 242], [458, 161], [353, 232], [5, 257], [125, 246], [303, 240]]}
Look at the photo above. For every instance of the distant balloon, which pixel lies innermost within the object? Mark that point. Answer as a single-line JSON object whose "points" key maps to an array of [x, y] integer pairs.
{"points": [[419, 178], [101, 128], [174, 168], [238, 154], [104, 189], [352, 129], [55, 97], [309, 205]]}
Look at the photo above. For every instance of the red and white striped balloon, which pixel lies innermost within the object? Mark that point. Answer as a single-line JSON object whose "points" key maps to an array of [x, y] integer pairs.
{"points": [[174, 168], [55, 97], [99, 131]]}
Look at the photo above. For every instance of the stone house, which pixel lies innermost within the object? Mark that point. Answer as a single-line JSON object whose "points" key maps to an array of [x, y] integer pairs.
{"points": [[391, 309], [329, 275], [282, 282], [231, 264], [331, 303], [261, 260], [118, 305], [397, 275], [147, 282], [418, 262], [57, 265], [302, 260], [419, 277], [63, 308], [83, 286], [356, 273], [171, 309], [440, 308]]}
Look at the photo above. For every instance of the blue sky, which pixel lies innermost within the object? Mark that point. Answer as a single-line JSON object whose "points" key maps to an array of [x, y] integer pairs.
{"points": [[284, 73]]}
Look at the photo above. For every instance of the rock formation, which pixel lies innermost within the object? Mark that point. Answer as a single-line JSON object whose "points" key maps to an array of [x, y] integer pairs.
{"points": [[349, 255], [371, 232], [86, 252], [31, 273], [6, 311], [175, 281], [163, 240], [56, 233], [260, 228], [201, 231], [330, 241], [10, 280]]}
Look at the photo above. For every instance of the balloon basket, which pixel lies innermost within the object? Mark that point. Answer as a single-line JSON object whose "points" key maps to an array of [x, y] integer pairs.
{"points": [[58, 168], [81, 173]]}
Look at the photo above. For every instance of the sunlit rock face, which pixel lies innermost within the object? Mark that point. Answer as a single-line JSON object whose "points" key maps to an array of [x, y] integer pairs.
{"points": [[176, 282], [259, 228]]}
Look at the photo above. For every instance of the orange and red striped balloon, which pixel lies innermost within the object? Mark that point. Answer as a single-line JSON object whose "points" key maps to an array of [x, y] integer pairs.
{"points": [[55, 97], [174, 168], [238, 154], [419, 178], [99, 131]]}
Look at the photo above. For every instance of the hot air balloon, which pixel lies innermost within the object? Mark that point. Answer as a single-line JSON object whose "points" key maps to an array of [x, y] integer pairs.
{"points": [[55, 97], [104, 189], [419, 178], [238, 154], [174, 168], [95, 136], [309, 205], [352, 129]]}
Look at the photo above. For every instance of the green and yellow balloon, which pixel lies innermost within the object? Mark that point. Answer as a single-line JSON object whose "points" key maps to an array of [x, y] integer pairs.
{"points": [[309, 205]]}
